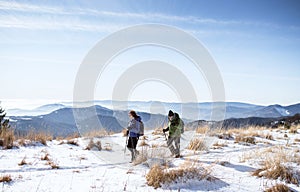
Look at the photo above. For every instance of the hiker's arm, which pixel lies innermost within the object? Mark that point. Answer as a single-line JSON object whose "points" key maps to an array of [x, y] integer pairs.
{"points": [[131, 125], [166, 129]]}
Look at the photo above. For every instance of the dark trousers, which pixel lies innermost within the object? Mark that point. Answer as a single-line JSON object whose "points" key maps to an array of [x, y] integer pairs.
{"points": [[174, 150], [131, 145]]}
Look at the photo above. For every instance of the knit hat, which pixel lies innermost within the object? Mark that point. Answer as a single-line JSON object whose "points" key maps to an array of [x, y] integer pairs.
{"points": [[170, 113]]}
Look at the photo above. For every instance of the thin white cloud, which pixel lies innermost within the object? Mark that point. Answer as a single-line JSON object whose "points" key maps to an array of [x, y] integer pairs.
{"points": [[158, 17], [40, 19]]}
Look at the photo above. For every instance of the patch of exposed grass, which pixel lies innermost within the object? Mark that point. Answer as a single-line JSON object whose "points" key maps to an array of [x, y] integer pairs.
{"points": [[202, 130], [5, 179], [157, 176], [278, 188], [245, 139], [197, 144], [219, 145], [93, 145], [277, 165], [7, 139], [23, 162], [97, 133]]}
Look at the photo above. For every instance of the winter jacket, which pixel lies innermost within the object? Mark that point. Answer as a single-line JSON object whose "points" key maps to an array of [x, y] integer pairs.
{"points": [[175, 126], [134, 127]]}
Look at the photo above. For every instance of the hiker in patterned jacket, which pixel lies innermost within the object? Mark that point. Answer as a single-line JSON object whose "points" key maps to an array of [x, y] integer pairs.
{"points": [[133, 130], [175, 128]]}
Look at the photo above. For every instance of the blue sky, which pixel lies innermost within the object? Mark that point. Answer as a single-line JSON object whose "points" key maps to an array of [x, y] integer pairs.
{"points": [[256, 45]]}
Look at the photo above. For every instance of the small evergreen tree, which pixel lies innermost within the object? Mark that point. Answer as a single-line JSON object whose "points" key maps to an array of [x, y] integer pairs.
{"points": [[6, 135], [4, 123]]}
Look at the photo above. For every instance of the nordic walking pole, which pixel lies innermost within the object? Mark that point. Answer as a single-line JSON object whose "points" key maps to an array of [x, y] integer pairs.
{"points": [[126, 144], [165, 136], [163, 128]]}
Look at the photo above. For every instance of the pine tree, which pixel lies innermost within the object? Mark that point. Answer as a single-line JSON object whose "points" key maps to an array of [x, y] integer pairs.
{"points": [[6, 135], [4, 123]]}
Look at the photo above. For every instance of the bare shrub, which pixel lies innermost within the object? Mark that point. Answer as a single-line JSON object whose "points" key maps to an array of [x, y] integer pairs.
{"points": [[5, 179], [279, 188], [297, 140], [197, 144]]}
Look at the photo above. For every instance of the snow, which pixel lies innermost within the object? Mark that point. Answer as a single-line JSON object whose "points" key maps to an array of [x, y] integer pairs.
{"points": [[83, 170]]}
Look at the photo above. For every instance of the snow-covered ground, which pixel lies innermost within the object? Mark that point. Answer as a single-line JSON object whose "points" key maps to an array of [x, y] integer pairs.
{"points": [[230, 164]]}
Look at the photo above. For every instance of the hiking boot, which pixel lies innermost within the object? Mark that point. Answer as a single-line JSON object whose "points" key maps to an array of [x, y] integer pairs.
{"points": [[177, 156]]}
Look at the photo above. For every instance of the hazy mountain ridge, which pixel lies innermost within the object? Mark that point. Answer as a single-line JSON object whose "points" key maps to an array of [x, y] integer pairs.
{"points": [[67, 120]]}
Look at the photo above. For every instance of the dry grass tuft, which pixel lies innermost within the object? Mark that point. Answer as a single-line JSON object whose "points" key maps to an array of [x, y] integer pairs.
{"points": [[97, 133], [46, 157], [273, 168], [124, 132], [269, 136], [219, 145], [141, 157], [197, 144], [53, 165], [94, 145], [143, 144], [158, 131], [7, 139], [202, 130], [32, 136], [245, 139], [158, 175], [279, 188], [5, 178], [294, 130], [73, 141], [107, 147], [297, 140], [23, 162]]}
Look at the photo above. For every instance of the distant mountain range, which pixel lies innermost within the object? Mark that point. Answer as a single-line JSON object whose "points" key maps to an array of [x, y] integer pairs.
{"points": [[59, 119]]}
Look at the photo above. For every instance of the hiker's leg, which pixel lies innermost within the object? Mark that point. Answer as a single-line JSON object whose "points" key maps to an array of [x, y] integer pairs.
{"points": [[170, 145], [177, 145], [134, 141], [131, 147]]}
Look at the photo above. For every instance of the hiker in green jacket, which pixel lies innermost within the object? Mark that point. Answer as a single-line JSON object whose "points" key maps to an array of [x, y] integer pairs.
{"points": [[175, 128]]}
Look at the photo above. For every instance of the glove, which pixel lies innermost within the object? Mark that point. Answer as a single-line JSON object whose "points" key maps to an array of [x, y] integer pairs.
{"points": [[166, 129], [127, 132]]}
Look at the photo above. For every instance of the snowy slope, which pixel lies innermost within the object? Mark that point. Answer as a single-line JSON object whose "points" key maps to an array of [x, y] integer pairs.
{"points": [[90, 170]]}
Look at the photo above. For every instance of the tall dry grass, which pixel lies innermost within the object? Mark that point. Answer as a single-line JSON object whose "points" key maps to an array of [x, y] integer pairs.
{"points": [[276, 164], [278, 188], [157, 176], [7, 138], [32, 136], [197, 144], [5, 179]]}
